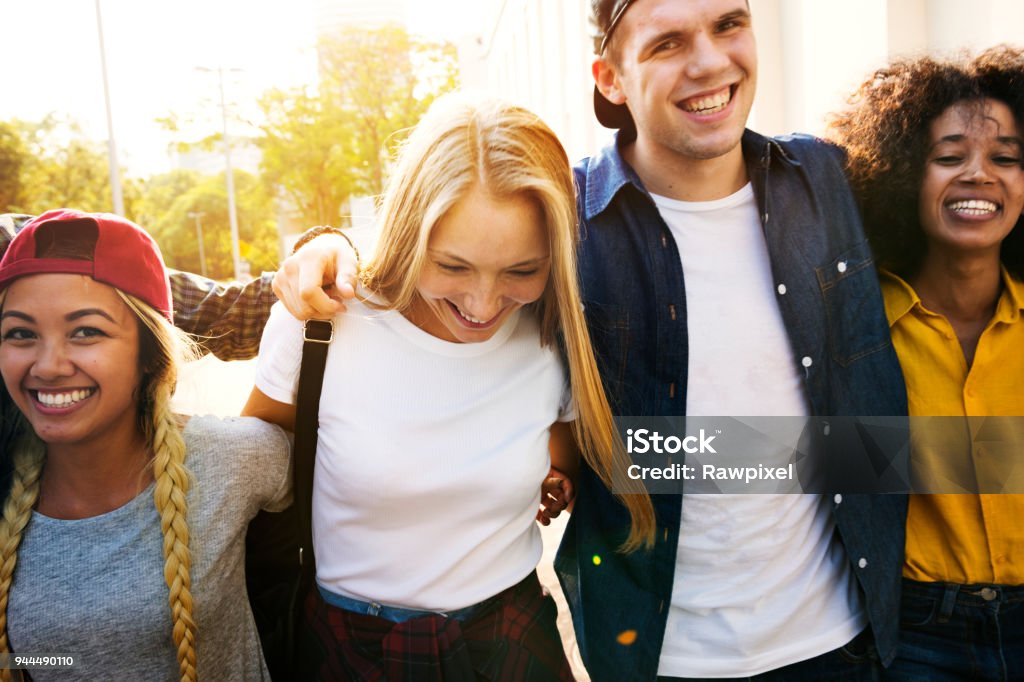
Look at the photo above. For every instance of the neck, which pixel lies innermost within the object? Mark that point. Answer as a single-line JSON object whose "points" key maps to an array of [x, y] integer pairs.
{"points": [[83, 480], [673, 175], [962, 287]]}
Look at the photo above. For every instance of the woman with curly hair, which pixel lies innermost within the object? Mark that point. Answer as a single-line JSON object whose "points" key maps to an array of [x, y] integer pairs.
{"points": [[122, 537], [935, 154]]}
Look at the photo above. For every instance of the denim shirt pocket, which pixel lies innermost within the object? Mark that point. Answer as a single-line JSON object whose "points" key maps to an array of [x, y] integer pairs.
{"points": [[853, 305], [608, 325]]}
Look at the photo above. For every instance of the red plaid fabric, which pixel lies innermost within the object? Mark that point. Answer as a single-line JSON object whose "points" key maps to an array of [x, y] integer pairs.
{"points": [[514, 639]]}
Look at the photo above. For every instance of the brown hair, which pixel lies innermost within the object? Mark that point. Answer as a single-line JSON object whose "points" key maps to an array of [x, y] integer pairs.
{"points": [[886, 132]]}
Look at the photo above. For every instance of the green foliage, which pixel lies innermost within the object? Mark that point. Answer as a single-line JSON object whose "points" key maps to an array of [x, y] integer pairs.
{"points": [[170, 198], [62, 168], [320, 149], [12, 157], [307, 154]]}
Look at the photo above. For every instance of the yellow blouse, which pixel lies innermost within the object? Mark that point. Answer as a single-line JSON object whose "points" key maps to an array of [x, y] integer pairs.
{"points": [[964, 538]]}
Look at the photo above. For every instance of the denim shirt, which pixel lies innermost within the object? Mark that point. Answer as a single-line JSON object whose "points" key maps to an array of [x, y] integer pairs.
{"points": [[634, 295]]}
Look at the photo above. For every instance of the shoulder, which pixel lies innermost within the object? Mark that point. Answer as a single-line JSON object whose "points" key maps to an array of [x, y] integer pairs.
{"points": [[810, 149], [233, 437]]}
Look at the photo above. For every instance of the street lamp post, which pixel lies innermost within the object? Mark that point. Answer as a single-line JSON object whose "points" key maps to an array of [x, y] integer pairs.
{"points": [[199, 237], [115, 175], [236, 255]]}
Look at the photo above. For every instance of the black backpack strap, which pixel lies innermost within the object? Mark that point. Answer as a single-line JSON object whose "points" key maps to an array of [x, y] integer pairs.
{"points": [[317, 337]]}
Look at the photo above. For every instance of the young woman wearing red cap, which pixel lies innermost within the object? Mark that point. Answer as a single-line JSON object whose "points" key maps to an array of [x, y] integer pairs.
{"points": [[122, 539]]}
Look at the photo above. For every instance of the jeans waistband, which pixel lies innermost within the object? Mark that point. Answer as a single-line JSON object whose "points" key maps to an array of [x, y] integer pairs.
{"points": [[397, 614], [979, 594]]}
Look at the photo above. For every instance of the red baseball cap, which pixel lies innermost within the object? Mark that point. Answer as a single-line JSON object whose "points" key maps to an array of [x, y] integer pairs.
{"points": [[122, 254]]}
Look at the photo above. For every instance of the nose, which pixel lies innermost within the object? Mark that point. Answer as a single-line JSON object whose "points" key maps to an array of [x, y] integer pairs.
{"points": [[977, 171], [484, 301], [706, 57], [52, 362]]}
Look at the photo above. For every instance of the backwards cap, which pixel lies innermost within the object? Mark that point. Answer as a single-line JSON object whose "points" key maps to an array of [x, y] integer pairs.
{"points": [[605, 16], [122, 254]]}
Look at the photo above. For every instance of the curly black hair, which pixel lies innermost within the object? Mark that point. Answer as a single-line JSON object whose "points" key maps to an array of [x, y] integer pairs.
{"points": [[885, 132]]}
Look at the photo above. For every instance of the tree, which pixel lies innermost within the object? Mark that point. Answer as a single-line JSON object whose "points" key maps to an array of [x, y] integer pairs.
{"points": [[320, 149], [307, 154], [175, 230], [63, 168], [12, 158], [385, 79]]}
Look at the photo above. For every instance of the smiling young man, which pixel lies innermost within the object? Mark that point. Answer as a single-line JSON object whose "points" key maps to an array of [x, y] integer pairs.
{"points": [[725, 273]]}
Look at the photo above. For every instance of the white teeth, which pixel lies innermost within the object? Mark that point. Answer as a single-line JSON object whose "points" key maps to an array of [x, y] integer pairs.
{"points": [[470, 318], [64, 399], [974, 207], [709, 105]]}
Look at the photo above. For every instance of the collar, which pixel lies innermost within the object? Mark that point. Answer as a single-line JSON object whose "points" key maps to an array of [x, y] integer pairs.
{"points": [[900, 298], [607, 172]]}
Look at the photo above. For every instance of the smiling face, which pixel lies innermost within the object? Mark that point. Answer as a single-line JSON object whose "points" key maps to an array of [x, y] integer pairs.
{"points": [[687, 71], [69, 356], [486, 258], [972, 192]]}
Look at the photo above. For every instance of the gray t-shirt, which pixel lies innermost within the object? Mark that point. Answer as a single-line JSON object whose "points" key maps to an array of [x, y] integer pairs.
{"points": [[94, 588]]}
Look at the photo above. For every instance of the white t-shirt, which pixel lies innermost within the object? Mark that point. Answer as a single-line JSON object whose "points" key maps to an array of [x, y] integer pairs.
{"points": [[430, 456], [761, 581]]}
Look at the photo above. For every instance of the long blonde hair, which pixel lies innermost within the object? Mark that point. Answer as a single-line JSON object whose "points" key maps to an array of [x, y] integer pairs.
{"points": [[161, 347], [465, 142]]}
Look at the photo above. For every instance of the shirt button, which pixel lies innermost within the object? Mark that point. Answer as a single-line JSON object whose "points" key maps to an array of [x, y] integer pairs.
{"points": [[842, 266], [828, 429], [839, 500], [863, 563], [807, 362], [782, 290]]}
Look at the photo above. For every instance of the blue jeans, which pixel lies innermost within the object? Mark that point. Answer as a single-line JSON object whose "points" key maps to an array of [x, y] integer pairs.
{"points": [[855, 662], [959, 632]]}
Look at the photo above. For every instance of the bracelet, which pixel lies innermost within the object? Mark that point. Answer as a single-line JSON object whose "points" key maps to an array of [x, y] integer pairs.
{"points": [[314, 232]]}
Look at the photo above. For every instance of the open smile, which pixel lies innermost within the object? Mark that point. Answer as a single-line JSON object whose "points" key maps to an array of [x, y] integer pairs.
{"points": [[973, 209], [708, 103], [62, 401], [469, 321]]}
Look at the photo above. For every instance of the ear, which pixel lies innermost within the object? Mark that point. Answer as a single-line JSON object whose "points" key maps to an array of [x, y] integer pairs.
{"points": [[606, 77]]}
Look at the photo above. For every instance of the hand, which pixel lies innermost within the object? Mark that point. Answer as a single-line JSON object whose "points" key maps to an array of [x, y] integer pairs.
{"points": [[316, 281], [556, 494]]}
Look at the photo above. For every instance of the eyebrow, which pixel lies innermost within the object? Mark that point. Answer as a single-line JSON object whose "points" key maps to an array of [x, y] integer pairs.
{"points": [[70, 317], [452, 256], [1002, 139], [675, 33]]}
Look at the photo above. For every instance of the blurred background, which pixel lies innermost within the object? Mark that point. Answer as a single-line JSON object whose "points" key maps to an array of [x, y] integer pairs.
{"points": [[227, 127], [234, 125]]}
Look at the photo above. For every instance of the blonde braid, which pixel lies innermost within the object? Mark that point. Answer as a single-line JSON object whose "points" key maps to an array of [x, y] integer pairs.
{"points": [[172, 484], [28, 466], [161, 349]]}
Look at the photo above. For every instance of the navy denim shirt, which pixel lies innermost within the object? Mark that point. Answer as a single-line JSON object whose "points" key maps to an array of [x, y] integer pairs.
{"points": [[634, 294]]}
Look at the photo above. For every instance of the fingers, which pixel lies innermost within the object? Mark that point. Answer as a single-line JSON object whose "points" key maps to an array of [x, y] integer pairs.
{"points": [[556, 494], [303, 301], [316, 281]]}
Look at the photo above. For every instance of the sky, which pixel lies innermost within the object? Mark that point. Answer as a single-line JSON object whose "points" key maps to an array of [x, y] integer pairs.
{"points": [[52, 64]]}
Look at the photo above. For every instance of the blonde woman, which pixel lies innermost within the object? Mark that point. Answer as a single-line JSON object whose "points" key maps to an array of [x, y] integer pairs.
{"points": [[444, 388], [122, 539]]}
